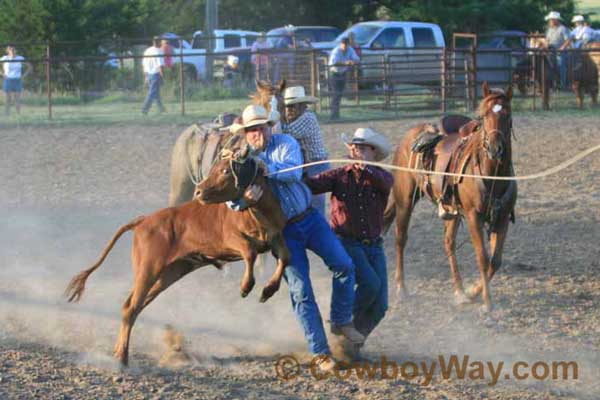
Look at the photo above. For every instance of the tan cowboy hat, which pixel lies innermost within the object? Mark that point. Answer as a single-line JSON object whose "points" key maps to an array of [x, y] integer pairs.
{"points": [[255, 115], [372, 138], [296, 94], [578, 18], [553, 15]]}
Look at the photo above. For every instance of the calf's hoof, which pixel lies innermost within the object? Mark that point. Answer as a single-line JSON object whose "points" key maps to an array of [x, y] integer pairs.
{"points": [[486, 308], [246, 288], [268, 291], [473, 292]]}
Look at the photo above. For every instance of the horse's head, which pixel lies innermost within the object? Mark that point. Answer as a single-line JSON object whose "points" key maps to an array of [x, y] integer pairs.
{"points": [[270, 96], [229, 177], [496, 121]]}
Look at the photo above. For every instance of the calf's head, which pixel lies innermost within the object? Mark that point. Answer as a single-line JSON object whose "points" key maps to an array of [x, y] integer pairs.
{"points": [[231, 175]]}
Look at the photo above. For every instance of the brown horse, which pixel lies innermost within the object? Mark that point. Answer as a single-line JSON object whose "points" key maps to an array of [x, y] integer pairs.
{"points": [[196, 148], [486, 151]]}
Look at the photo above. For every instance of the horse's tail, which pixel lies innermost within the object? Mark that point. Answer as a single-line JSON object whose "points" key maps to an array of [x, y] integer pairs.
{"points": [[75, 289], [390, 213]]}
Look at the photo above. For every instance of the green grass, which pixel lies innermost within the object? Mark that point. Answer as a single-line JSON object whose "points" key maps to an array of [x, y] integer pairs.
{"points": [[125, 108]]}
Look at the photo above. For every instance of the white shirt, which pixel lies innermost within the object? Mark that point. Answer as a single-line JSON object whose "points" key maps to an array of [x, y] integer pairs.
{"points": [[12, 70], [152, 64]]}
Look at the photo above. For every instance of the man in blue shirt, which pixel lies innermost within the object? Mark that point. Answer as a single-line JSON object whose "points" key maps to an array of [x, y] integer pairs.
{"points": [[340, 61], [306, 229]]}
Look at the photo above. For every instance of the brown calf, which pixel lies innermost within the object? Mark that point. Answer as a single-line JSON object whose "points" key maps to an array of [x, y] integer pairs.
{"points": [[175, 241]]}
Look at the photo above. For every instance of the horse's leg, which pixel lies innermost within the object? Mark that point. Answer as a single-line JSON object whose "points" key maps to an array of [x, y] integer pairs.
{"points": [[450, 229], [496, 246], [404, 209], [131, 309], [578, 89], [477, 238]]}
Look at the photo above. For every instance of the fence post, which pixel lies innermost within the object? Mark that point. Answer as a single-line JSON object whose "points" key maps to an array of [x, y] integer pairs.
{"points": [[313, 73], [467, 82], [386, 97], [443, 80], [533, 79], [49, 80], [355, 85], [473, 73], [181, 79], [545, 88]]}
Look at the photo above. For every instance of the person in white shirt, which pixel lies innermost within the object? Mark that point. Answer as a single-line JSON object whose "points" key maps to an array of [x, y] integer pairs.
{"points": [[153, 64], [12, 73]]}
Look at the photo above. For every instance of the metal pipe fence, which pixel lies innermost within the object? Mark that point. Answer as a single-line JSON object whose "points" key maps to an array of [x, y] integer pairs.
{"points": [[399, 80]]}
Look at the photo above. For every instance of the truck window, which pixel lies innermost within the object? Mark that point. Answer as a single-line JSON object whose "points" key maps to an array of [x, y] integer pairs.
{"points": [[423, 37], [199, 42], [389, 38], [250, 39], [232, 41]]}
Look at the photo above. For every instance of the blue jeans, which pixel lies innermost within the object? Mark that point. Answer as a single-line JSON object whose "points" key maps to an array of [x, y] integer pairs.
{"points": [[371, 299], [318, 200], [313, 233], [154, 83], [563, 65]]}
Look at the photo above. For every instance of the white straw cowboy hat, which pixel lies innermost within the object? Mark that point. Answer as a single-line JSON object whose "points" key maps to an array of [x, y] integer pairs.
{"points": [[254, 115], [553, 15], [296, 94], [578, 18], [372, 138]]}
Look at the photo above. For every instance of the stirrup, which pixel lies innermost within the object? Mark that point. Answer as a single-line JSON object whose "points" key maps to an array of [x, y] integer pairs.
{"points": [[446, 214]]}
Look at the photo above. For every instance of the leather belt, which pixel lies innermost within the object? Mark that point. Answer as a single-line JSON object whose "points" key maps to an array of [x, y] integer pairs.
{"points": [[301, 216]]}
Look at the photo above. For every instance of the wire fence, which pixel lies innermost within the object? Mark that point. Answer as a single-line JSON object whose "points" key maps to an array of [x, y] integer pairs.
{"points": [[392, 82]]}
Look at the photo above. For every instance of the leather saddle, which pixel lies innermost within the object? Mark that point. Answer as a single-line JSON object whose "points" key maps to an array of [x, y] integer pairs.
{"points": [[212, 139], [453, 131]]}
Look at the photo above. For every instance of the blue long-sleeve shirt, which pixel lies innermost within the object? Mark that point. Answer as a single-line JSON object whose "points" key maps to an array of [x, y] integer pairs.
{"points": [[338, 59], [283, 151]]}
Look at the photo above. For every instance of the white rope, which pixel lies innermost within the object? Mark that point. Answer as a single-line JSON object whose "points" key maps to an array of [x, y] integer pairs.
{"points": [[538, 175]]}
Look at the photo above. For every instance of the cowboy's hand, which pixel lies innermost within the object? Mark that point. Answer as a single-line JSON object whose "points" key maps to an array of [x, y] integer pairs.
{"points": [[253, 194]]}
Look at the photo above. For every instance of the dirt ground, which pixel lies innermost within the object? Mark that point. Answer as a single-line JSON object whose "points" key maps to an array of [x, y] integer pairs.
{"points": [[66, 190]]}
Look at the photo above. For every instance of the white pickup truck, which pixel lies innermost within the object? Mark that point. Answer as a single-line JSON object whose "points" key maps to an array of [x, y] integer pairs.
{"points": [[194, 54], [412, 48]]}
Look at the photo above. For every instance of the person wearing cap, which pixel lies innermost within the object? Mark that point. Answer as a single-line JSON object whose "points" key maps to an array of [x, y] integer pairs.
{"points": [[260, 59], [581, 34], [340, 62], [153, 65], [302, 124], [305, 229], [359, 195], [12, 74], [557, 37]]}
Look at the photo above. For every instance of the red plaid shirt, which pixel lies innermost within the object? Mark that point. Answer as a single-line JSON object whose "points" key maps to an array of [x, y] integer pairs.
{"points": [[358, 199]]}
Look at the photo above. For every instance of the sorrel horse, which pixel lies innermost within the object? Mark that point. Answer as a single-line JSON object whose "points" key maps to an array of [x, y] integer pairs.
{"points": [[486, 151]]}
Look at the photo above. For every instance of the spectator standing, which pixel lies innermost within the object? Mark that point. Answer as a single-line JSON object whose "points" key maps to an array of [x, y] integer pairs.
{"points": [[557, 37], [341, 60], [12, 74], [153, 65]]}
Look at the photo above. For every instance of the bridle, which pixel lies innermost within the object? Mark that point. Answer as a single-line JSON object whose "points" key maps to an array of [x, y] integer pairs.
{"points": [[485, 133]]}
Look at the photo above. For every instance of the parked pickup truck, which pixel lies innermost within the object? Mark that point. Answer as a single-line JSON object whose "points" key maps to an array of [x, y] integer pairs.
{"points": [[413, 50], [194, 54]]}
